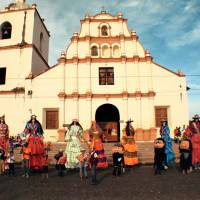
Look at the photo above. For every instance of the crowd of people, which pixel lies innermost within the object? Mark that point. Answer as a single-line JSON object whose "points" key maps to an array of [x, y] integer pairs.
{"points": [[189, 147], [85, 150]]}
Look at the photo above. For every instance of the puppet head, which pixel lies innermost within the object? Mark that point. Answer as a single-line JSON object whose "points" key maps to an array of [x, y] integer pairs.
{"points": [[159, 143]]}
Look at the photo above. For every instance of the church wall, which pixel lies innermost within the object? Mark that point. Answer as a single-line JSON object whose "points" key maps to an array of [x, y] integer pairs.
{"points": [[18, 66], [38, 29]]}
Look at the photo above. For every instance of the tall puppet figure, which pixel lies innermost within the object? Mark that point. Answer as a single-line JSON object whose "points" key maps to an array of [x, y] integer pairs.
{"points": [[4, 133], [165, 135], [130, 147], [73, 148], [195, 129], [34, 135], [97, 145]]}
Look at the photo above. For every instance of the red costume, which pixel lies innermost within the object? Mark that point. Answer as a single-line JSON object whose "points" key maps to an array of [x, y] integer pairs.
{"points": [[4, 134], [195, 129], [35, 143]]}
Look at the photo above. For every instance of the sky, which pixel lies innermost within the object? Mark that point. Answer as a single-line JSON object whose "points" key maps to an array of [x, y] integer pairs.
{"points": [[169, 29]]}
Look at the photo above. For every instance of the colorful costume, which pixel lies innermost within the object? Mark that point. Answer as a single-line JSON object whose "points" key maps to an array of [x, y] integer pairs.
{"points": [[97, 145], [101, 156], [72, 150], [4, 133], [165, 134], [130, 153], [195, 129], [35, 143]]}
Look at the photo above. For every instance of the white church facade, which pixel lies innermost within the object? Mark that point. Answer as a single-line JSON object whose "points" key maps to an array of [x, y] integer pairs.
{"points": [[104, 75]]}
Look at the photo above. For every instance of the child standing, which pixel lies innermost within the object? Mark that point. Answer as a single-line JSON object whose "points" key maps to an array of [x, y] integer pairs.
{"points": [[83, 164], [185, 155], [26, 154], [11, 163], [118, 159], [57, 157], [61, 164], [2, 160], [93, 163], [45, 167]]}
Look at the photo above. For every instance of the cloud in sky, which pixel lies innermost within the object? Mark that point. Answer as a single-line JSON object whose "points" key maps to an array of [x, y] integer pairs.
{"points": [[169, 29]]}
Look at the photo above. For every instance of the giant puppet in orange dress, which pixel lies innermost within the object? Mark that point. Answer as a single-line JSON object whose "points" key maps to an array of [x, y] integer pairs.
{"points": [[4, 134], [97, 145], [195, 129], [130, 147], [34, 133]]}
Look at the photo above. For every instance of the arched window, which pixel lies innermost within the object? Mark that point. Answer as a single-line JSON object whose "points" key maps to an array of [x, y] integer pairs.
{"points": [[94, 51], [116, 51], [41, 41], [6, 30], [104, 30], [105, 51]]}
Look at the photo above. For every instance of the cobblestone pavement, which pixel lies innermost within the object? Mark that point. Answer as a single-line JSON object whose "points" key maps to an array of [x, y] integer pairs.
{"points": [[140, 183]]}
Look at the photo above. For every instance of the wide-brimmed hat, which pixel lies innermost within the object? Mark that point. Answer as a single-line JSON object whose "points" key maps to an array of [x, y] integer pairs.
{"points": [[196, 116], [129, 121]]}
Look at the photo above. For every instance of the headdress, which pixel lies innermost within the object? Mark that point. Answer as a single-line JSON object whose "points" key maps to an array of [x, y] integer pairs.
{"points": [[196, 116], [33, 116]]}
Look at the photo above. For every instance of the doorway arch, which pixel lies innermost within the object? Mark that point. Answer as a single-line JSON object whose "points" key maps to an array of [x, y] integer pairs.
{"points": [[107, 117]]}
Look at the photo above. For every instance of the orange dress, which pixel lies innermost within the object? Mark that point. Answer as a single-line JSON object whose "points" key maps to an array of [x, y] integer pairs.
{"points": [[130, 154], [101, 156]]}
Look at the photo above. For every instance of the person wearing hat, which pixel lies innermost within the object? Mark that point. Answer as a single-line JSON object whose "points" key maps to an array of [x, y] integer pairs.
{"points": [[165, 135], [34, 136], [98, 146], [73, 148], [4, 133], [195, 129]]}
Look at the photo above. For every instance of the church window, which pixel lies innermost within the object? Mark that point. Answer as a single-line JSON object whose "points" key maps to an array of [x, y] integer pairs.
{"points": [[106, 76], [105, 51], [52, 116], [104, 30], [41, 41], [2, 76], [116, 51], [94, 51], [160, 114], [6, 30]]}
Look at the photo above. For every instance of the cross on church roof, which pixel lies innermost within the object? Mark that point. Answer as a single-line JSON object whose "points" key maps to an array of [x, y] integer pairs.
{"points": [[103, 9]]}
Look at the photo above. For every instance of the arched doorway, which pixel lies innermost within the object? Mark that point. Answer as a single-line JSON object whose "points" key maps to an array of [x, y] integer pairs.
{"points": [[107, 117]]}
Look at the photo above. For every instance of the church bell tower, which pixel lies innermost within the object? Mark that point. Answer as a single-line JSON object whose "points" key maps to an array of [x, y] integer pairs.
{"points": [[24, 44]]}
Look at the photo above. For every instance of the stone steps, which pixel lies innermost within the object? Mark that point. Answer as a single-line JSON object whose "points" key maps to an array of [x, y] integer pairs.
{"points": [[145, 152]]}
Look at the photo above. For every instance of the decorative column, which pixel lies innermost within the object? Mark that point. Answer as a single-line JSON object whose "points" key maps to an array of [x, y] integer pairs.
{"points": [[87, 25], [75, 44], [122, 43], [75, 93], [61, 130], [134, 39], [120, 18]]}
